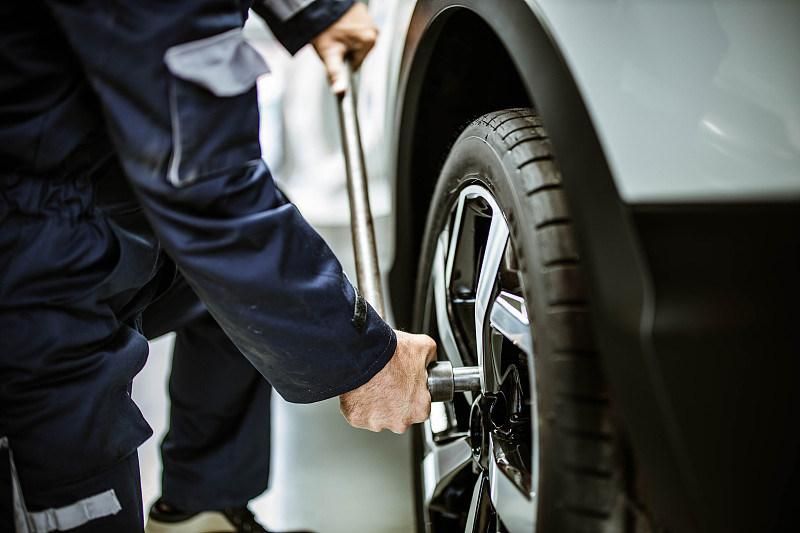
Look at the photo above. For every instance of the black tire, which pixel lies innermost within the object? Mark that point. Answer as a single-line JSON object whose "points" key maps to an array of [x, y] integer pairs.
{"points": [[581, 481]]}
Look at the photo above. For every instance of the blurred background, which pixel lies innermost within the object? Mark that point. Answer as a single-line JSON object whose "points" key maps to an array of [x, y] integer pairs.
{"points": [[325, 475]]}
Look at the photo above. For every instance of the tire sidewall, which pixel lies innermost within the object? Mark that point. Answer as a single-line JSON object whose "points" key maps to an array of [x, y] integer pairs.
{"points": [[476, 159]]}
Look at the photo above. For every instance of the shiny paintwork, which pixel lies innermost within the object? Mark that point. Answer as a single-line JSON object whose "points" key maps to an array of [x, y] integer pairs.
{"points": [[692, 102]]}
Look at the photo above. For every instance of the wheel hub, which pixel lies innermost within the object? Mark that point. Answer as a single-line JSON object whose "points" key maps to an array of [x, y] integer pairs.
{"points": [[499, 418], [480, 448], [478, 436]]}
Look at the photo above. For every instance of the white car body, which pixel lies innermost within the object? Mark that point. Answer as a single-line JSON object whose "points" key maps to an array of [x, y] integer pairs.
{"points": [[692, 101], [684, 197]]}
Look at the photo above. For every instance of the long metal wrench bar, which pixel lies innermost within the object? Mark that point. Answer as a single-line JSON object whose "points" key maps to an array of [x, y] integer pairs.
{"points": [[443, 380], [361, 226]]}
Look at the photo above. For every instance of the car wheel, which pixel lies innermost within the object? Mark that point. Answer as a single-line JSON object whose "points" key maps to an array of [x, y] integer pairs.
{"points": [[500, 287]]}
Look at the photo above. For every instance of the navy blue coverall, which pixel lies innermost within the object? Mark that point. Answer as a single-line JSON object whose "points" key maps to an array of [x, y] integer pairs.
{"points": [[129, 146]]}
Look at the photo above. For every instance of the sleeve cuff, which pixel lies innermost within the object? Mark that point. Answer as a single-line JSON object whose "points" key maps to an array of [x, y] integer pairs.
{"points": [[379, 360], [302, 27]]}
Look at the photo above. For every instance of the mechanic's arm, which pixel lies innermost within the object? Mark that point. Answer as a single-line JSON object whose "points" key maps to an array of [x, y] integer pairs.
{"points": [[375, 405], [297, 22], [176, 84]]}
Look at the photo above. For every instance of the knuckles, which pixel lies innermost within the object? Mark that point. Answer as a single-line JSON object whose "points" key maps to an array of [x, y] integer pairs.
{"points": [[368, 36], [399, 428], [401, 402], [353, 416], [430, 343]]}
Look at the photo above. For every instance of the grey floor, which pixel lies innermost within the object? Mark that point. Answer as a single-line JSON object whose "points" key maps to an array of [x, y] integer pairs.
{"points": [[326, 475]]}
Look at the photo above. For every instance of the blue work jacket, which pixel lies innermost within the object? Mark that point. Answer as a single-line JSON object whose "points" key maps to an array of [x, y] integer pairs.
{"points": [[173, 86]]}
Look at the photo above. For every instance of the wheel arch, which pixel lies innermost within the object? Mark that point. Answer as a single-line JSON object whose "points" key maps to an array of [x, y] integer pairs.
{"points": [[497, 55], [501, 54]]}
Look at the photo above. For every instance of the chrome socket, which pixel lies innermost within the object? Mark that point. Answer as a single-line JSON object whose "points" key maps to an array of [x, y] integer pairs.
{"points": [[444, 380]]}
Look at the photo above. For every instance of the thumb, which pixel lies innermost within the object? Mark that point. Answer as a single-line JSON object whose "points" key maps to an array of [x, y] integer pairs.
{"points": [[430, 356], [334, 66]]}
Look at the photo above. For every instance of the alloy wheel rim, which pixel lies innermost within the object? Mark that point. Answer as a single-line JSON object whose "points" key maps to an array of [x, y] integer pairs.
{"points": [[482, 448]]}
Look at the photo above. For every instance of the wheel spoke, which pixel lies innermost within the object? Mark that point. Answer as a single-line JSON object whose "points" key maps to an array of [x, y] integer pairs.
{"points": [[446, 337], [509, 317], [455, 232], [474, 308], [515, 508], [479, 516], [492, 256], [442, 463]]}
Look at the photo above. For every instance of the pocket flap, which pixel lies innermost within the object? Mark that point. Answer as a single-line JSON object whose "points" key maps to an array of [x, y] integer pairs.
{"points": [[225, 64]]}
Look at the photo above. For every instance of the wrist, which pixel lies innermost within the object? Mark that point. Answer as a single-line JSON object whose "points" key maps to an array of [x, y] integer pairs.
{"points": [[307, 24]]}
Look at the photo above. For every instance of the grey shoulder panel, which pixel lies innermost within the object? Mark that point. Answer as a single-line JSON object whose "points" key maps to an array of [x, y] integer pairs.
{"points": [[225, 64]]}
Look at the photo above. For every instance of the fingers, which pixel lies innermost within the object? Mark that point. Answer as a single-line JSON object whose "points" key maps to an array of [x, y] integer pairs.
{"points": [[430, 354], [361, 46], [378, 426], [375, 418], [351, 37], [333, 58], [397, 396], [421, 346]]}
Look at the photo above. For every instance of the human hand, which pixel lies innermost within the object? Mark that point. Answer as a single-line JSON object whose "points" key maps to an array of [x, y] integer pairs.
{"points": [[351, 37], [397, 396]]}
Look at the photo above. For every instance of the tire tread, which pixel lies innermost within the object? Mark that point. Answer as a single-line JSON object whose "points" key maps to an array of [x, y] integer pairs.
{"points": [[582, 476], [588, 457]]}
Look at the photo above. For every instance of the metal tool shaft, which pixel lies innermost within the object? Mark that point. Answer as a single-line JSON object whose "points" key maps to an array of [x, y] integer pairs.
{"points": [[443, 380], [362, 227]]}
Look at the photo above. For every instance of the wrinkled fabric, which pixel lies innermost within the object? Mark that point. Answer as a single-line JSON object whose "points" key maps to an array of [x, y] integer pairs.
{"points": [[216, 452], [85, 113], [264, 274], [73, 284], [295, 22]]}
